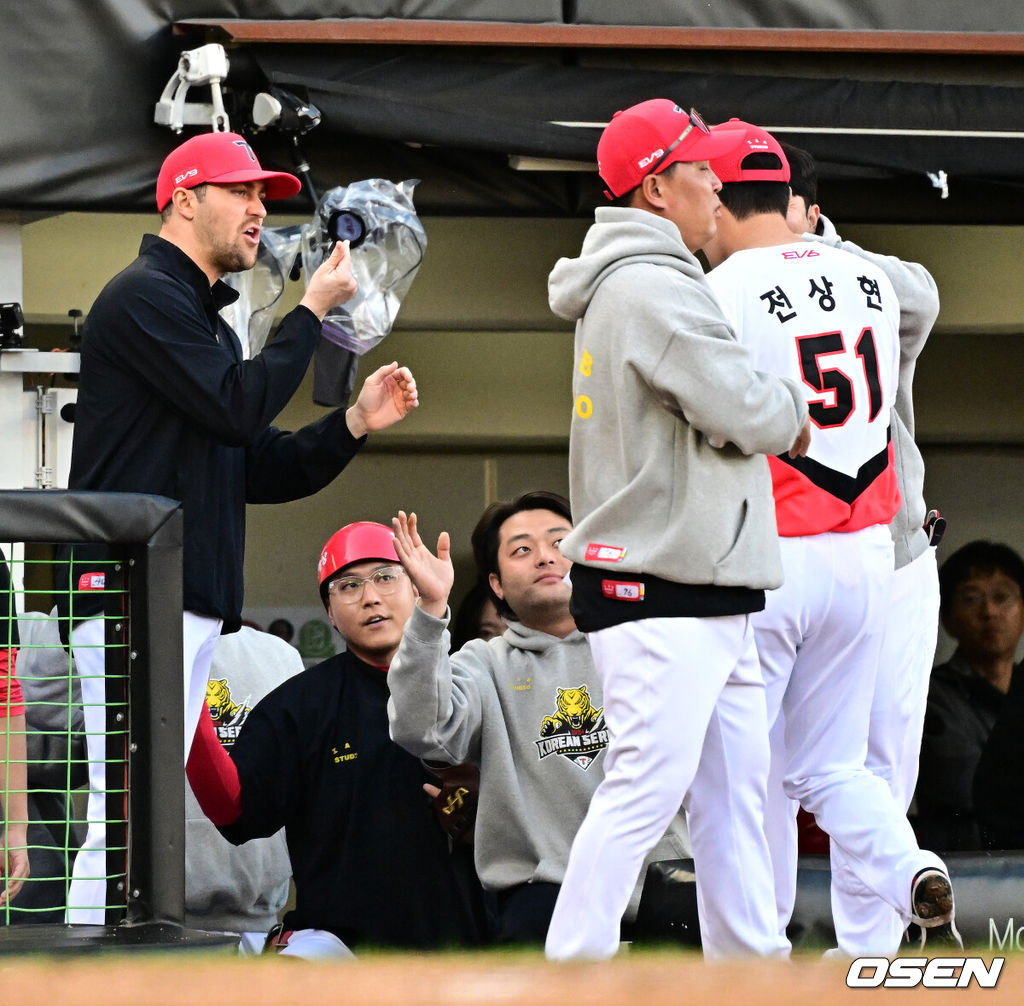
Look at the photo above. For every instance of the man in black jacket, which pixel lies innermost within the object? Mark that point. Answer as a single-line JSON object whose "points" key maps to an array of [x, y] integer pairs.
{"points": [[168, 405], [982, 590], [372, 866]]}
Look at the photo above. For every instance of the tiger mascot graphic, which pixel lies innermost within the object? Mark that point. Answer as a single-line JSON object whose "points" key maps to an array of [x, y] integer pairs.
{"points": [[227, 715], [576, 730], [575, 713]]}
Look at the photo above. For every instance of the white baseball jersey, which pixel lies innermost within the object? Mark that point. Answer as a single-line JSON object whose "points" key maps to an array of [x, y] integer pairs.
{"points": [[830, 321]]}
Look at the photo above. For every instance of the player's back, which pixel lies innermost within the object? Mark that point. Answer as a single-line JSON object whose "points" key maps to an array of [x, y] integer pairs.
{"points": [[830, 321]]}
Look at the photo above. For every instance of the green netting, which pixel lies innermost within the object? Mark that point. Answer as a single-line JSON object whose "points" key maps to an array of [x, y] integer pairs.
{"points": [[44, 763], [132, 725]]}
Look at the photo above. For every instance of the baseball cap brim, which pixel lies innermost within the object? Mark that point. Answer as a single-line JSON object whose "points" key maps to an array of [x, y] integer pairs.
{"points": [[701, 146], [278, 184]]}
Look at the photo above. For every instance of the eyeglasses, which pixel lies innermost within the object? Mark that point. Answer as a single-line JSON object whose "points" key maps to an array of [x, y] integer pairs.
{"points": [[975, 600], [349, 589], [696, 121]]}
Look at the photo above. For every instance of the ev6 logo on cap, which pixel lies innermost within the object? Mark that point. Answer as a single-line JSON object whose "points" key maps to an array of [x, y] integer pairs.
{"points": [[650, 159]]}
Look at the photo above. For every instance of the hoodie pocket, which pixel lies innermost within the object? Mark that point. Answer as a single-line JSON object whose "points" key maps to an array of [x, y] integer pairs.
{"points": [[753, 559]]}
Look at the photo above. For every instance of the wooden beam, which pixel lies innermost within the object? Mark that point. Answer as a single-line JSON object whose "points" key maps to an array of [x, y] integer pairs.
{"points": [[393, 31]]}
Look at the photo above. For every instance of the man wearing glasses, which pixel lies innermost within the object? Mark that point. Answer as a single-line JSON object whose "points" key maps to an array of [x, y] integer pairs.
{"points": [[675, 541], [371, 865]]}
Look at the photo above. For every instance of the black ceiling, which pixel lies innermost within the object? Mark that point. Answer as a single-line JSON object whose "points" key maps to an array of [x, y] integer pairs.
{"points": [[81, 82]]}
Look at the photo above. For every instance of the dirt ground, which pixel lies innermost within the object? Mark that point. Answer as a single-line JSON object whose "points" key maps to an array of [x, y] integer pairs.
{"points": [[636, 979]]}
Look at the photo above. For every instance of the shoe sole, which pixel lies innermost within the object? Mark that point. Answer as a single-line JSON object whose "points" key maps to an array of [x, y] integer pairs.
{"points": [[932, 904]]}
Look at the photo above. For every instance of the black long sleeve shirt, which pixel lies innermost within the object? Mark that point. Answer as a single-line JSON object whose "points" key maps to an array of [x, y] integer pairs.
{"points": [[168, 406], [370, 862], [998, 785]]}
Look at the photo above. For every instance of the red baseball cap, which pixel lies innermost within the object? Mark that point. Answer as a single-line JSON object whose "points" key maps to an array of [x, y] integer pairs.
{"points": [[646, 138], [356, 542], [729, 166], [221, 158]]}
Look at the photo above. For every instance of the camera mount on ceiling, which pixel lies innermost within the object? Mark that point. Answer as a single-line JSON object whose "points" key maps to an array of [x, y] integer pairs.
{"points": [[207, 65], [284, 111]]}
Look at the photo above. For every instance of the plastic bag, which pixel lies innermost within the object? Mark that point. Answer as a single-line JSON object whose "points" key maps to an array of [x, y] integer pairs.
{"points": [[387, 245], [260, 288]]}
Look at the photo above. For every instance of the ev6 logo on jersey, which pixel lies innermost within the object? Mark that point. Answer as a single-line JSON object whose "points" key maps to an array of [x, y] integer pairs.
{"points": [[909, 972]]}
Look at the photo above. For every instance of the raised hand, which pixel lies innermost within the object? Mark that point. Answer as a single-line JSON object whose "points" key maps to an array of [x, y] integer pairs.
{"points": [[332, 283], [432, 575], [387, 395]]}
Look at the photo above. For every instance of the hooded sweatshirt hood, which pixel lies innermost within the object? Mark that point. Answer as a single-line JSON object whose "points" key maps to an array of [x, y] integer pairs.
{"points": [[519, 637], [623, 237]]}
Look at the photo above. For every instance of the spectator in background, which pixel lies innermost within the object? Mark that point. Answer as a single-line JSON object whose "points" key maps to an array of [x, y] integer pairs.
{"points": [[999, 778], [982, 608], [14, 862], [238, 889], [477, 617], [282, 628]]}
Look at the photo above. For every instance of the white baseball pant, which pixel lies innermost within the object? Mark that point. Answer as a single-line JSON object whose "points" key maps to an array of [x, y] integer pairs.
{"points": [[819, 640], [87, 893], [866, 925], [685, 707], [316, 945]]}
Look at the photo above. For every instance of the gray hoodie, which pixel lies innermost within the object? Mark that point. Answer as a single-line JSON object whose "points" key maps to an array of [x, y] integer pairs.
{"points": [[527, 708], [918, 298], [670, 420]]}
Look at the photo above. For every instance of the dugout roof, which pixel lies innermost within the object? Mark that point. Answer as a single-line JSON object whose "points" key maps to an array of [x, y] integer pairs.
{"points": [[498, 113]]}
